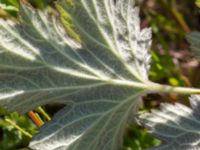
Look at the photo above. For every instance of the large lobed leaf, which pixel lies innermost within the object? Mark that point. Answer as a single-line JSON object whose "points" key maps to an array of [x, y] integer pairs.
{"points": [[176, 125], [99, 80]]}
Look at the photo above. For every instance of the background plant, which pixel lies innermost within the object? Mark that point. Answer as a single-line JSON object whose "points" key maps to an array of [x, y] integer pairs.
{"points": [[159, 72]]}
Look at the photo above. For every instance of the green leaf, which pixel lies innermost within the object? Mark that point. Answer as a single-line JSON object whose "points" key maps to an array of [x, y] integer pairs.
{"points": [[8, 7], [100, 79], [176, 125], [197, 2]]}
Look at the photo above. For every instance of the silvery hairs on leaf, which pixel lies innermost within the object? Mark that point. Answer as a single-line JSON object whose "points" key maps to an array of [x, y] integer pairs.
{"points": [[100, 80], [194, 40], [176, 125]]}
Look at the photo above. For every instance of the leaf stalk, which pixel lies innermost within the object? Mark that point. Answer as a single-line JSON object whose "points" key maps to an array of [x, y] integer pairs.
{"points": [[171, 89]]}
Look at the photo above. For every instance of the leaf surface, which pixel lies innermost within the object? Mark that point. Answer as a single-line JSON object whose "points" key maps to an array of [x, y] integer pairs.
{"points": [[194, 40], [100, 79], [176, 125]]}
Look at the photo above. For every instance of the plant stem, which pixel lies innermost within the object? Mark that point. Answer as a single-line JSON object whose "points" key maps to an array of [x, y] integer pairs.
{"points": [[18, 127], [41, 110], [155, 87], [179, 17], [180, 20], [176, 14], [170, 89]]}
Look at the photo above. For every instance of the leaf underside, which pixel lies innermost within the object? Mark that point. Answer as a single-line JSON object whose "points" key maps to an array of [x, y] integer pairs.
{"points": [[194, 40], [176, 125], [100, 79]]}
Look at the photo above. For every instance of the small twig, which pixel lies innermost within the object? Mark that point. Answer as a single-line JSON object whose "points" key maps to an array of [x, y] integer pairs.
{"points": [[18, 127], [180, 20], [176, 14], [179, 17], [35, 118], [41, 110]]}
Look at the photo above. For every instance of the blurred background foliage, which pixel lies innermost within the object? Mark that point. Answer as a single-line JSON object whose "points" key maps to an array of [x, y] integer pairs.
{"points": [[172, 63]]}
